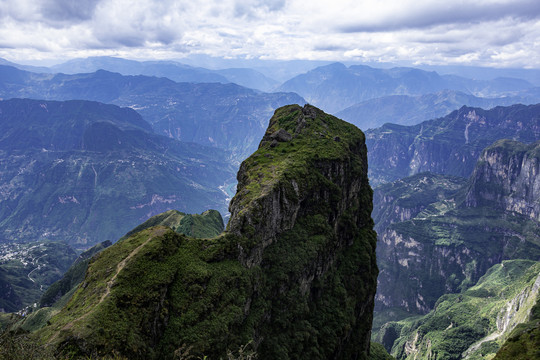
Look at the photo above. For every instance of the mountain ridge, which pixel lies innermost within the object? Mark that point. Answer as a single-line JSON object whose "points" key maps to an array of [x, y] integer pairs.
{"points": [[335, 87], [449, 145]]}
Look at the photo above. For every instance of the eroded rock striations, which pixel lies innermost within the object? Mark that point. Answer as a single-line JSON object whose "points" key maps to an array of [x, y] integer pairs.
{"points": [[508, 177], [473, 324], [450, 145], [450, 243], [294, 274]]}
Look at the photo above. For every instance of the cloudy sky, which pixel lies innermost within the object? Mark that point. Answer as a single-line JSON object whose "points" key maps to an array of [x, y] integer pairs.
{"points": [[502, 33]]}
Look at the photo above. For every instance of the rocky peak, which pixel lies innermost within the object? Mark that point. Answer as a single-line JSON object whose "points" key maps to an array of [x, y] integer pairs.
{"points": [[305, 157]]}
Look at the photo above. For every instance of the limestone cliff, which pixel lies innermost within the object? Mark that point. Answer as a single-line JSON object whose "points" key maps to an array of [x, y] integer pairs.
{"points": [[507, 176], [294, 274], [445, 246]]}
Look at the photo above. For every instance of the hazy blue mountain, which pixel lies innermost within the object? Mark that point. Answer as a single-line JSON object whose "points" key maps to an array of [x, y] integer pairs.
{"points": [[450, 145], [85, 172], [37, 69], [485, 73], [169, 69], [335, 87], [220, 115], [249, 78], [411, 110], [173, 70], [280, 70]]}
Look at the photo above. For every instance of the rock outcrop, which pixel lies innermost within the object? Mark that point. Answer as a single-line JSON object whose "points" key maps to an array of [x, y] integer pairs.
{"points": [[294, 274], [508, 177]]}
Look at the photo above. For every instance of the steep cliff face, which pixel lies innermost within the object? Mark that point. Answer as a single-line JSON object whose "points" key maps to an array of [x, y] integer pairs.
{"points": [[524, 341], [294, 274], [450, 145], [447, 245], [404, 199], [507, 177]]}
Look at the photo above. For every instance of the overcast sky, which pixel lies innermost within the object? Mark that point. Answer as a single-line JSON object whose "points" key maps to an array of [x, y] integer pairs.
{"points": [[502, 33]]}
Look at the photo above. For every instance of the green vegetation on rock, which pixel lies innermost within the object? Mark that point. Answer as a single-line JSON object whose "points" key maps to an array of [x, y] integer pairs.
{"points": [[524, 341], [378, 352], [472, 324], [209, 224], [294, 274]]}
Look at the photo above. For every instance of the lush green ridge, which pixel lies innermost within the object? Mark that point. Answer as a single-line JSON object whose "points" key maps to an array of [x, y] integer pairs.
{"points": [[73, 277], [378, 352], [483, 315], [209, 224], [302, 288]]}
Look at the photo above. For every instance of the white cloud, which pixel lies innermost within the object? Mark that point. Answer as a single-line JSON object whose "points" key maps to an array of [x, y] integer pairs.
{"points": [[491, 32]]}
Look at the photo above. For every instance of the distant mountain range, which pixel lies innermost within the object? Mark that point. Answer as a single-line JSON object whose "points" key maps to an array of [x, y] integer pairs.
{"points": [[220, 115], [173, 70], [85, 172], [412, 110], [336, 87], [450, 145]]}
